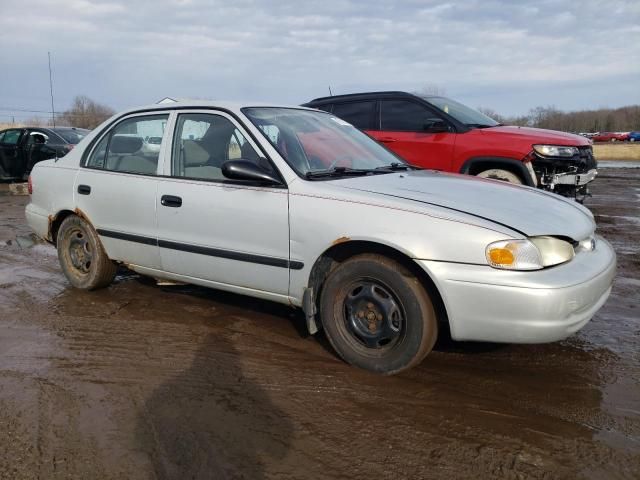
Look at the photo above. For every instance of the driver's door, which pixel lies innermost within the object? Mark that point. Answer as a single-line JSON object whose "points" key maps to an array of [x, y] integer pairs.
{"points": [[402, 130], [228, 232]]}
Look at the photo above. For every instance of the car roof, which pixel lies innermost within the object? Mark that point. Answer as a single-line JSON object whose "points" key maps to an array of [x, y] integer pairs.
{"points": [[194, 104], [364, 96], [55, 129]]}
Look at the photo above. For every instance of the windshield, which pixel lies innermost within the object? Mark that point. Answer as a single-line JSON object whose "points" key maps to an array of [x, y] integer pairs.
{"points": [[72, 136], [314, 142], [462, 113]]}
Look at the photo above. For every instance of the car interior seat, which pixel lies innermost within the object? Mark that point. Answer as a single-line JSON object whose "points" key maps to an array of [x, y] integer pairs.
{"points": [[124, 156]]}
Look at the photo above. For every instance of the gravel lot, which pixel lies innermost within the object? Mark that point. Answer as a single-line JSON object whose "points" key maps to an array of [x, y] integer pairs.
{"points": [[140, 381]]}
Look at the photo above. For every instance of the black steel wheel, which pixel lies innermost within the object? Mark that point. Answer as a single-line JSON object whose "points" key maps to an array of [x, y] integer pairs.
{"points": [[377, 315], [82, 257]]}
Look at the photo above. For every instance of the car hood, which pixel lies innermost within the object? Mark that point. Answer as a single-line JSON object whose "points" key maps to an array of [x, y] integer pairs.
{"points": [[539, 135], [526, 210]]}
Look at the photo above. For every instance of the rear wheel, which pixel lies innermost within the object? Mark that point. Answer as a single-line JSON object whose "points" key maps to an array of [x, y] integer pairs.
{"points": [[500, 174], [377, 315], [82, 257]]}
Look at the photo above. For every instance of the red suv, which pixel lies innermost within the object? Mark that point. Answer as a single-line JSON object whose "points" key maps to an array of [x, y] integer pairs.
{"points": [[439, 133]]}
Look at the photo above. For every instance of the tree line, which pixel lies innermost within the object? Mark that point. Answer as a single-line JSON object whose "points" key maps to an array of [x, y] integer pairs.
{"points": [[623, 119]]}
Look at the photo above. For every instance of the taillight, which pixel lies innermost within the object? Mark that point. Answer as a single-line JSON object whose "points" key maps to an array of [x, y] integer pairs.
{"points": [[30, 185]]}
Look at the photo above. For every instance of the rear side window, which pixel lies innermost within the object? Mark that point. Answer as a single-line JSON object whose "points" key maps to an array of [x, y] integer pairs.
{"points": [[124, 148], [403, 115], [358, 114]]}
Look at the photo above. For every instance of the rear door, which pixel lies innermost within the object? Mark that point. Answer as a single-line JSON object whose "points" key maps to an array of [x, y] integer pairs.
{"points": [[116, 188], [404, 128], [35, 150]]}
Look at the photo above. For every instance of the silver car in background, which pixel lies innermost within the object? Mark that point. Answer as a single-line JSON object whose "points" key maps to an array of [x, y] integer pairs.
{"points": [[297, 206]]}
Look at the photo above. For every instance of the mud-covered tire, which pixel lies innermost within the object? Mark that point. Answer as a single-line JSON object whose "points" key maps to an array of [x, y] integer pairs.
{"points": [[368, 298], [82, 256], [500, 174]]}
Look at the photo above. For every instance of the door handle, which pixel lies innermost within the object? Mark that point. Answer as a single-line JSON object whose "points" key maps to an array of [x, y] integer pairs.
{"points": [[388, 140], [171, 201], [84, 189]]}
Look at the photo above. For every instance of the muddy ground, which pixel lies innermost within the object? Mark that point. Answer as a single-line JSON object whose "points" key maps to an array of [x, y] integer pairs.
{"points": [[140, 381]]}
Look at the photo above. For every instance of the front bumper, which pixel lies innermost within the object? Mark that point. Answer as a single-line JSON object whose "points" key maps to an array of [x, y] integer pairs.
{"points": [[487, 304], [577, 179]]}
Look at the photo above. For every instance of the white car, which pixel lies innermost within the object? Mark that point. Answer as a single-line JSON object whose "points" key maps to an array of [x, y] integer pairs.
{"points": [[297, 206]]}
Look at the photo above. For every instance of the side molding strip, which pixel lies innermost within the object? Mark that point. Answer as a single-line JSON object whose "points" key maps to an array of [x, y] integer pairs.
{"points": [[212, 252]]}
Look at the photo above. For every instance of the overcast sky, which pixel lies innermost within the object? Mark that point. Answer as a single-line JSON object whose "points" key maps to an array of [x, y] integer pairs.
{"points": [[506, 55]]}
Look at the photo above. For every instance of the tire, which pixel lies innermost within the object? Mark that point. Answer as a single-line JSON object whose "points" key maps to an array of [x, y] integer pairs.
{"points": [[500, 174], [377, 315], [82, 257], [613, 139], [632, 139]]}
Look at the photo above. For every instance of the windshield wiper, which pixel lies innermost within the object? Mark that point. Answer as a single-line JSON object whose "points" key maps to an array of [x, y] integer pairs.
{"points": [[339, 172], [480, 125], [396, 166]]}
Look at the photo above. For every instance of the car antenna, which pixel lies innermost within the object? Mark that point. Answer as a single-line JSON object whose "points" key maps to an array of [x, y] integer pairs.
{"points": [[330, 94]]}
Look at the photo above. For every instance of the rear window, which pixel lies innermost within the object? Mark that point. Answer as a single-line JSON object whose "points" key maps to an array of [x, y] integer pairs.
{"points": [[72, 136]]}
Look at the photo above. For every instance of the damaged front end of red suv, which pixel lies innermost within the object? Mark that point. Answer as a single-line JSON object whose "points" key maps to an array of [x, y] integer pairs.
{"points": [[564, 170]]}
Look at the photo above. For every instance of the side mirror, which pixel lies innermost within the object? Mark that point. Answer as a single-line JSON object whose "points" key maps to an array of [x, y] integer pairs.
{"points": [[249, 171], [435, 125]]}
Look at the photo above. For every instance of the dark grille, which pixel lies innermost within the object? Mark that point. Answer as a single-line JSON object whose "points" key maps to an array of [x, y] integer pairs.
{"points": [[587, 160]]}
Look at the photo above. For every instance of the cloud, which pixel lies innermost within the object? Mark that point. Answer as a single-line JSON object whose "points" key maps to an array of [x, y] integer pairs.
{"points": [[574, 55]]}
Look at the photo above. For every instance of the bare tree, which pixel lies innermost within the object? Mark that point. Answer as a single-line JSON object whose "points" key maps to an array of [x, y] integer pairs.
{"points": [[491, 113], [85, 113]]}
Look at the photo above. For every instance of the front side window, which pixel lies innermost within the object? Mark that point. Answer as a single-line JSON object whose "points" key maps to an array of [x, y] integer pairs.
{"points": [[124, 149], [462, 113], [405, 116], [312, 141], [11, 137], [358, 114], [204, 142]]}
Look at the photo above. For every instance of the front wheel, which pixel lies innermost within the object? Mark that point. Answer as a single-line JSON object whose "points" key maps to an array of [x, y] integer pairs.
{"points": [[82, 257], [502, 175], [377, 315]]}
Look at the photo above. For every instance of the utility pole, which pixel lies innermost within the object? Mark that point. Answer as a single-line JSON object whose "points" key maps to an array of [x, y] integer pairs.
{"points": [[53, 111]]}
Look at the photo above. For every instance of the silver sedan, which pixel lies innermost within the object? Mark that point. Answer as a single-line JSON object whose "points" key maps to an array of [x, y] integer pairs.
{"points": [[299, 207]]}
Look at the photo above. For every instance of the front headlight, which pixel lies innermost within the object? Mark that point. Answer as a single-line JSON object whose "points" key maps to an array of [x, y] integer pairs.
{"points": [[531, 254], [555, 150]]}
